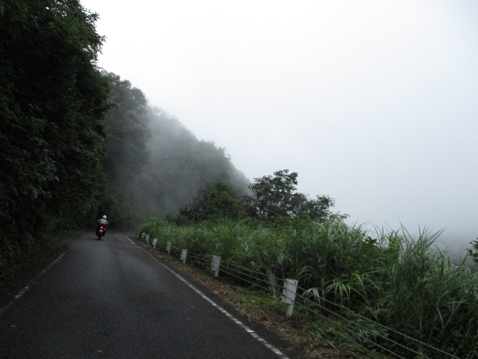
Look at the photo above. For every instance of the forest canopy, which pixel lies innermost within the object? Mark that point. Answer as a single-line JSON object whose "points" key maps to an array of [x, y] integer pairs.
{"points": [[53, 100]]}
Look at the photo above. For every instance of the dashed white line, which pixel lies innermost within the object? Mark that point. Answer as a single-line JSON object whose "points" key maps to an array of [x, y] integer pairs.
{"points": [[27, 287]]}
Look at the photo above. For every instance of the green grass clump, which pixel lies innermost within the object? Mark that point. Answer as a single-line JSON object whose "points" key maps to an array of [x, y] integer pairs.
{"points": [[391, 278]]}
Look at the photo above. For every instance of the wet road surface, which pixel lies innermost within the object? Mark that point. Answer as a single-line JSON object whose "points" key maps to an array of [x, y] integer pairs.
{"points": [[111, 299]]}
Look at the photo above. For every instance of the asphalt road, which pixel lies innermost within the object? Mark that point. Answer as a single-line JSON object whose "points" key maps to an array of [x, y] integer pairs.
{"points": [[111, 299]]}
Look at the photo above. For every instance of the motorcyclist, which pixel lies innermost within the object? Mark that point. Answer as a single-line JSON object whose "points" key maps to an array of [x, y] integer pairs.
{"points": [[101, 222]]}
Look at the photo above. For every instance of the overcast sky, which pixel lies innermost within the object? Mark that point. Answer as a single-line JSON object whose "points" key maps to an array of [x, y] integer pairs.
{"points": [[374, 103]]}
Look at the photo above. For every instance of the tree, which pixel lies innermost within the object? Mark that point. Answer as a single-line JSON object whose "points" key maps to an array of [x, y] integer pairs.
{"points": [[274, 196], [53, 101], [473, 251], [277, 196], [127, 135], [213, 202]]}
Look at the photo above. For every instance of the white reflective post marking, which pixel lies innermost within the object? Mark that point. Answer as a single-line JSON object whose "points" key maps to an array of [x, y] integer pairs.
{"points": [[288, 295], [216, 261], [184, 254]]}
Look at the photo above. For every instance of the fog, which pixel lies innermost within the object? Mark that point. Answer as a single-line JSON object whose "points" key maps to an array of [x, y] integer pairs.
{"points": [[373, 103], [180, 166]]}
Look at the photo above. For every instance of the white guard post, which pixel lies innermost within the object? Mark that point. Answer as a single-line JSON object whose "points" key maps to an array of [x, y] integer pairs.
{"points": [[142, 235], [168, 247], [288, 295], [147, 238], [155, 241], [184, 254], [216, 261]]}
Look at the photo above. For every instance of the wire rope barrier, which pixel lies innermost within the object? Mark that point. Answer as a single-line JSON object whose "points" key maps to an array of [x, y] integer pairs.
{"points": [[374, 322], [196, 258], [349, 330], [232, 267], [269, 283], [354, 324], [242, 279]]}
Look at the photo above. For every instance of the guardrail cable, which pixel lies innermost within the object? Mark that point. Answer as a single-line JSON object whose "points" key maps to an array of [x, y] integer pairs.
{"points": [[303, 300], [372, 322], [242, 279]]}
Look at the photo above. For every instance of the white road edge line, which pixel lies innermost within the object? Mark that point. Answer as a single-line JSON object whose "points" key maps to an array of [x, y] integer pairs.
{"points": [[30, 284], [218, 307]]}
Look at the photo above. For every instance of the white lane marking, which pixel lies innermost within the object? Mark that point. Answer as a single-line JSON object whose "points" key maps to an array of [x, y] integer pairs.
{"points": [[218, 307], [27, 287]]}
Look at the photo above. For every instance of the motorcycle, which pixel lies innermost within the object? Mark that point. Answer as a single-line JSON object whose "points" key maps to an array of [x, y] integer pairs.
{"points": [[100, 231]]}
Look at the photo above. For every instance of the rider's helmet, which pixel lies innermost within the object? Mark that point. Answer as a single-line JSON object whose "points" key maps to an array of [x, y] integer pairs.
{"points": [[104, 217]]}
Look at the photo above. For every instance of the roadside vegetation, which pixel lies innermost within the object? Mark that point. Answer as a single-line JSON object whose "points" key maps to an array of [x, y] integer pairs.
{"points": [[402, 284]]}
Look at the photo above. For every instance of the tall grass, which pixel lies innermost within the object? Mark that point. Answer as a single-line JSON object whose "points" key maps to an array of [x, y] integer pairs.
{"points": [[390, 277]]}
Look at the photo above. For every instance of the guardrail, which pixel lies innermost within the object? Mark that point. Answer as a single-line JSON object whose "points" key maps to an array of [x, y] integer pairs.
{"points": [[311, 302]]}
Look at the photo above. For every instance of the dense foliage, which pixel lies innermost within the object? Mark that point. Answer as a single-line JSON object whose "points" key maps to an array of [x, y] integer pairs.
{"points": [[52, 100], [214, 202], [276, 196], [273, 199]]}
